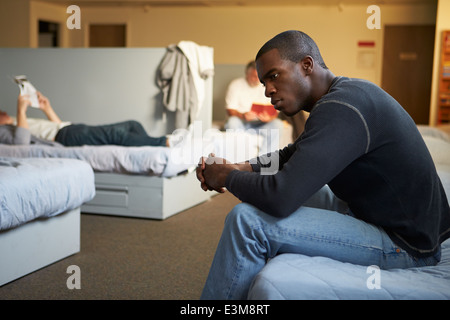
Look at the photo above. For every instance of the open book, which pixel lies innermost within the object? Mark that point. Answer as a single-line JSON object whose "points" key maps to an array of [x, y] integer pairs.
{"points": [[261, 108], [26, 88]]}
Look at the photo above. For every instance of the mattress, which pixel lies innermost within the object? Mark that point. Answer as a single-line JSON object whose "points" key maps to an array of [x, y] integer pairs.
{"points": [[34, 188], [108, 158], [298, 277], [295, 276], [147, 160]]}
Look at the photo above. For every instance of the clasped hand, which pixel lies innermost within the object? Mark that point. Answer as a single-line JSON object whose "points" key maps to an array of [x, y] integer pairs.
{"points": [[212, 172]]}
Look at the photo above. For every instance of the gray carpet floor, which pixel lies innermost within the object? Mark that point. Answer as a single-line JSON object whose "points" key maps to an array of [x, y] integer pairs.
{"points": [[132, 258]]}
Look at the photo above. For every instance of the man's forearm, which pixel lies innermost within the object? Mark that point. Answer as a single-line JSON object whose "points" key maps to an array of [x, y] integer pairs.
{"points": [[46, 107], [22, 121], [245, 166], [22, 104], [52, 116]]}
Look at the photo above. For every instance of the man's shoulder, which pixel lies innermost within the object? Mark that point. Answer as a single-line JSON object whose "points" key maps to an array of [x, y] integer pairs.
{"points": [[347, 81], [356, 83]]}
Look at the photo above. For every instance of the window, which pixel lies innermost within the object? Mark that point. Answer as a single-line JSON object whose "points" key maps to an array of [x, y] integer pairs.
{"points": [[48, 34]]}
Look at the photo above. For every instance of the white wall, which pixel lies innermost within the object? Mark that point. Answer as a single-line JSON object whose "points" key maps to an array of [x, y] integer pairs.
{"points": [[95, 86]]}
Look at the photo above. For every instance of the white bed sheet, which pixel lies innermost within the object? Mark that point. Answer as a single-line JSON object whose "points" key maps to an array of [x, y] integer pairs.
{"points": [[36, 188], [147, 160], [108, 158], [298, 277]]}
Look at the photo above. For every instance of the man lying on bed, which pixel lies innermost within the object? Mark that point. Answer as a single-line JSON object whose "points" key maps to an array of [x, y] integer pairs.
{"points": [[56, 132]]}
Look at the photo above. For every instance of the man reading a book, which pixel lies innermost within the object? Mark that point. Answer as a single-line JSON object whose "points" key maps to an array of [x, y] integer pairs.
{"points": [[24, 130], [248, 108]]}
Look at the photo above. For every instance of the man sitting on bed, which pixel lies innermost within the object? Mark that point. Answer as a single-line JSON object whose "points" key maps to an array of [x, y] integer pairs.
{"points": [[358, 186], [54, 131]]}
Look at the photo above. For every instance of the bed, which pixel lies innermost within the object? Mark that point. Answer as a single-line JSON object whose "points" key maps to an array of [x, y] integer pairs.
{"points": [[299, 277], [143, 181], [110, 85], [130, 181], [40, 212]]}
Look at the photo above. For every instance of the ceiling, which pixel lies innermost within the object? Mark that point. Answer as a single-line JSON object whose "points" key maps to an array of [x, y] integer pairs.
{"points": [[216, 3]]}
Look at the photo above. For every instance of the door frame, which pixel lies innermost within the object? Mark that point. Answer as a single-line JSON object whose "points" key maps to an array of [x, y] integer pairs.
{"points": [[409, 56]]}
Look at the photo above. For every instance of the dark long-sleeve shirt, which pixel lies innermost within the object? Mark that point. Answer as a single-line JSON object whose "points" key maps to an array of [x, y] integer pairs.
{"points": [[365, 146]]}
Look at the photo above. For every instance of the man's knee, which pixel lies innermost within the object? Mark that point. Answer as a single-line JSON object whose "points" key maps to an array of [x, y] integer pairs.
{"points": [[133, 125]]}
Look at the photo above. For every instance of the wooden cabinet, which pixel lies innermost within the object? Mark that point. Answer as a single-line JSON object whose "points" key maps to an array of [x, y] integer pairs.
{"points": [[444, 80]]}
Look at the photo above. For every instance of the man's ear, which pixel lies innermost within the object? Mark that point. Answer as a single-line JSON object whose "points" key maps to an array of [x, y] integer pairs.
{"points": [[307, 64]]}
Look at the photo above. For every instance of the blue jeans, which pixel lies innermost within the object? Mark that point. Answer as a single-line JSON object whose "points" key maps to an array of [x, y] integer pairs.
{"points": [[323, 227], [127, 133]]}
